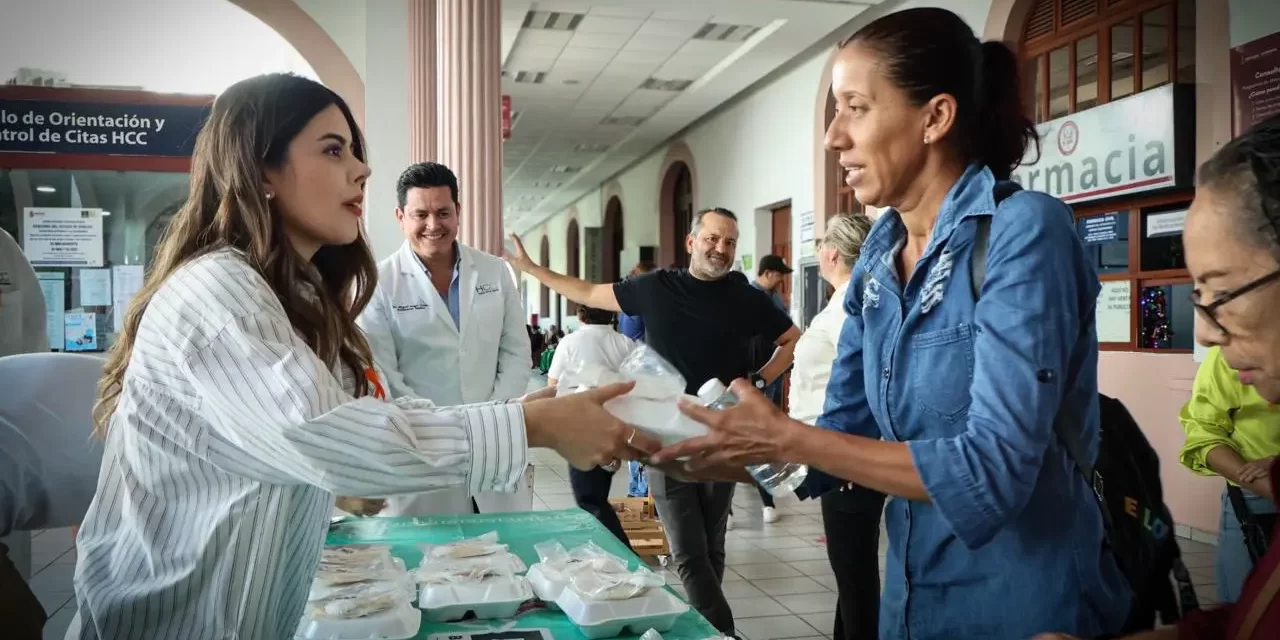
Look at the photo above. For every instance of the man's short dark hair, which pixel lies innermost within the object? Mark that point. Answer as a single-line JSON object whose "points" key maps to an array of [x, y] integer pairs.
{"points": [[592, 315], [425, 175], [720, 211]]}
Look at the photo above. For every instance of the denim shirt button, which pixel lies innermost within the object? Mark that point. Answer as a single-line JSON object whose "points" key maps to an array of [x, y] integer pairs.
{"points": [[1044, 376], [885, 373]]}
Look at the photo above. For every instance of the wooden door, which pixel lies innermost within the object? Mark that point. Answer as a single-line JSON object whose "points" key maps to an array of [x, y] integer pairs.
{"points": [[781, 245]]}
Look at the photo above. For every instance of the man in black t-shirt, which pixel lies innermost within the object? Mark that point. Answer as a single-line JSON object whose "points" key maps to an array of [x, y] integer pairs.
{"points": [[701, 321]]}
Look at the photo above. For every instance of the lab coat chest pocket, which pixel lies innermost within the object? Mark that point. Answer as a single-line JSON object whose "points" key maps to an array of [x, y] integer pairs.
{"points": [[410, 313], [941, 364]]}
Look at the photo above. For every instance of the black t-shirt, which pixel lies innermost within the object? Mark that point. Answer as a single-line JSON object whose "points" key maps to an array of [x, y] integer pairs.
{"points": [[702, 327]]}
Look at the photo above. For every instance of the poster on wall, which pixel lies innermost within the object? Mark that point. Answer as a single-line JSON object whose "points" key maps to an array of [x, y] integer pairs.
{"points": [[62, 236], [95, 287], [128, 280], [53, 285], [81, 331], [807, 234], [1255, 82], [1113, 314]]}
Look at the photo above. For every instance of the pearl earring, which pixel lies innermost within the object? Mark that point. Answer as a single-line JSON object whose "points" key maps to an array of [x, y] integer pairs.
{"points": [[926, 140], [270, 195]]}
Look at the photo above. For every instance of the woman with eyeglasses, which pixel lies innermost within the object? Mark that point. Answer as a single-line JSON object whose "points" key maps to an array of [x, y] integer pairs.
{"points": [[1232, 243]]}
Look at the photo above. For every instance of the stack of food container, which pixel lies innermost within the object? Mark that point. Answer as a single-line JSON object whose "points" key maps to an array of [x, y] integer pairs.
{"points": [[360, 591], [599, 594], [478, 576]]}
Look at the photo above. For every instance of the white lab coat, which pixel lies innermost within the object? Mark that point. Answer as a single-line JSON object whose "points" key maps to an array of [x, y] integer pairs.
{"points": [[422, 353], [22, 312]]}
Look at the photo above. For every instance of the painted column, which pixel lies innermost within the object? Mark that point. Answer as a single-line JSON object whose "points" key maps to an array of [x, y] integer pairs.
{"points": [[469, 113], [422, 80]]}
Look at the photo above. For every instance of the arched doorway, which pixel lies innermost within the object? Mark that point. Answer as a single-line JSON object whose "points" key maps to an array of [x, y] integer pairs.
{"points": [[612, 241], [315, 45], [677, 214], [574, 257], [544, 292]]}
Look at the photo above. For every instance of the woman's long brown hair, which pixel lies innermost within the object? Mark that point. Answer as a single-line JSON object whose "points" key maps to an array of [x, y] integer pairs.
{"points": [[248, 131]]}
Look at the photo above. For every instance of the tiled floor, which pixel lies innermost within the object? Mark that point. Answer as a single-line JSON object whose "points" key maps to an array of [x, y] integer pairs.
{"points": [[778, 581]]}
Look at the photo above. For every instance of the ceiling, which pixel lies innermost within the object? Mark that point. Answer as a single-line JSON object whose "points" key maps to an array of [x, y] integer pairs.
{"points": [[596, 85]]}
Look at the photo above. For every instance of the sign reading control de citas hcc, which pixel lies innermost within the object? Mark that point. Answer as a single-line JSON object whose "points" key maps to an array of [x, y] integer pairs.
{"points": [[1122, 147], [46, 126]]}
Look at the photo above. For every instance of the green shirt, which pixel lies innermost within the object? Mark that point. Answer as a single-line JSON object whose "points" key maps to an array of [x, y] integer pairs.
{"points": [[1223, 411]]}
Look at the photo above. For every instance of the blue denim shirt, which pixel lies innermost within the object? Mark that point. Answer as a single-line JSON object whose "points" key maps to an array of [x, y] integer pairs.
{"points": [[1011, 542]]}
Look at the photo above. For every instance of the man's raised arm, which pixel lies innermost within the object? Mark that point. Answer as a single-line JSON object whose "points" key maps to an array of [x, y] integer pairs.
{"points": [[597, 296]]}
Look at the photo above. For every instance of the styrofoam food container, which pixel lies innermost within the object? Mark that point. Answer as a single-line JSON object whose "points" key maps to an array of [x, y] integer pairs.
{"points": [[496, 597], [656, 609], [546, 588], [398, 623]]}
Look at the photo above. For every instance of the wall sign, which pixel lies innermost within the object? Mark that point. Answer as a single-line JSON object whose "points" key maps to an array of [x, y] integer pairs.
{"points": [[1255, 82], [1114, 303], [62, 237], [93, 128], [1100, 229], [1122, 147]]}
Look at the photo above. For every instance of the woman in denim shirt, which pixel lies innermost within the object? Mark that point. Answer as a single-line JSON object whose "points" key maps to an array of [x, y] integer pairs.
{"points": [[939, 398]]}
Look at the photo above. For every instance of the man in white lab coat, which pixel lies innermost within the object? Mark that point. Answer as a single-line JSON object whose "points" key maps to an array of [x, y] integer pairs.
{"points": [[446, 322]]}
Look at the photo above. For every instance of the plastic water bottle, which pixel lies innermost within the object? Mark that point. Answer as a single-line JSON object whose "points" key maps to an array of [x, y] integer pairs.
{"points": [[778, 477]]}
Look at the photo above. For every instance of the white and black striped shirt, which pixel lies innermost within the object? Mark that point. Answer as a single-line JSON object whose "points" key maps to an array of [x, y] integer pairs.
{"points": [[222, 461]]}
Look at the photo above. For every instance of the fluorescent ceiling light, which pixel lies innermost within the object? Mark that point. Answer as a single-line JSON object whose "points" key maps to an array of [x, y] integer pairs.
{"points": [[44, 188]]}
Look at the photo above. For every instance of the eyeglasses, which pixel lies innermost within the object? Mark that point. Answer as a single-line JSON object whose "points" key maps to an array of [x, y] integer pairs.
{"points": [[1210, 311]]}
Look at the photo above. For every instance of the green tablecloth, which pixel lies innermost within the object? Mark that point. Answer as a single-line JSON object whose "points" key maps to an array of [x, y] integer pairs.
{"points": [[520, 531]]}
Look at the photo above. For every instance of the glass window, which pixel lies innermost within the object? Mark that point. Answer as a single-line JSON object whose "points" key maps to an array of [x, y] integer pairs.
{"points": [[1035, 77], [85, 304], [1121, 60], [1186, 41], [1155, 48], [1167, 318], [1086, 72], [1059, 83], [1106, 239], [1162, 239]]}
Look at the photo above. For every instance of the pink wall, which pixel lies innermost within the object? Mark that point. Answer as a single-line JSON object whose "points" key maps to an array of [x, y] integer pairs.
{"points": [[1154, 387]]}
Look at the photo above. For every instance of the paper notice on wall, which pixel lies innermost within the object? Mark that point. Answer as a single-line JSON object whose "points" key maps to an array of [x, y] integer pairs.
{"points": [[81, 332], [95, 287], [62, 237], [1113, 314], [53, 284], [128, 280]]}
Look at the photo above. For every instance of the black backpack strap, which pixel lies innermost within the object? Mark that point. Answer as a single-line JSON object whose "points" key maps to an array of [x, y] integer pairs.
{"points": [[978, 264]]}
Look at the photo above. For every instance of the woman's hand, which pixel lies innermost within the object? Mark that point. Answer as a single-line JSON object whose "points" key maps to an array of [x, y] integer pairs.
{"points": [[579, 428], [361, 506], [520, 259], [753, 432], [1256, 470]]}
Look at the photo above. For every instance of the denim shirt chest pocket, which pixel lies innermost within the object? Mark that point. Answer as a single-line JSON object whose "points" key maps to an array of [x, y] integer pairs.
{"points": [[929, 368]]}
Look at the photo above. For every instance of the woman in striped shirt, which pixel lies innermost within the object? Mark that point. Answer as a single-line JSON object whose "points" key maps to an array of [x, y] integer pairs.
{"points": [[241, 396]]}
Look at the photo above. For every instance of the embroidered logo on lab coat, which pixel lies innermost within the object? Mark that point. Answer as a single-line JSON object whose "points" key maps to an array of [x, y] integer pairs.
{"points": [[935, 285], [421, 306], [871, 294], [482, 289]]}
